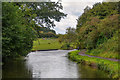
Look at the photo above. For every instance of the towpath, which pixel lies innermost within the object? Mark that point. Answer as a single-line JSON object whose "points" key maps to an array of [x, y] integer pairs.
{"points": [[82, 53]]}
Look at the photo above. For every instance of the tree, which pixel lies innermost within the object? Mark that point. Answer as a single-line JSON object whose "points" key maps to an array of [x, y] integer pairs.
{"points": [[16, 38], [87, 9], [69, 38], [44, 12], [97, 25], [70, 35], [19, 21]]}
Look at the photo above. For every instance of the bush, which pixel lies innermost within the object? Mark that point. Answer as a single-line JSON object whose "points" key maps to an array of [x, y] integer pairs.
{"points": [[66, 46]]}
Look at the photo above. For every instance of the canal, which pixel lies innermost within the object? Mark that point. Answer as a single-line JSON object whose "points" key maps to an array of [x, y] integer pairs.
{"points": [[49, 64]]}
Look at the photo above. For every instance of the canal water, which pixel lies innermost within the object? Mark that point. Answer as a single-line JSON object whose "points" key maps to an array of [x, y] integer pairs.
{"points": [[49, 64]]}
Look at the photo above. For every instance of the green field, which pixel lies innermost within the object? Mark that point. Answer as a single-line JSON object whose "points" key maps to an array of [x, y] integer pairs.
{"points": [[46, 44]]}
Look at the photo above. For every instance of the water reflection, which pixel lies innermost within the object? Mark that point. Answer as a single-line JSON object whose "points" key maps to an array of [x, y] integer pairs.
{"points": [[88, 72], [52, 64], [49, 64], [0, 71], [16, 69]]}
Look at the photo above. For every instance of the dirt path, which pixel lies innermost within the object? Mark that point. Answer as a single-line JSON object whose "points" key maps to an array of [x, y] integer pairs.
{"points": [[82, 53]]}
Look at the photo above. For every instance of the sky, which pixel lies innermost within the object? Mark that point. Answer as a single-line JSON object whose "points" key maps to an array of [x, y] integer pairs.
{"points": [[73, 9]]}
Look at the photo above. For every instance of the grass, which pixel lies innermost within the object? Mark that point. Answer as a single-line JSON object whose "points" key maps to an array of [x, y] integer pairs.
{"points": [[108, 66], [105, 54], [46, 44]]}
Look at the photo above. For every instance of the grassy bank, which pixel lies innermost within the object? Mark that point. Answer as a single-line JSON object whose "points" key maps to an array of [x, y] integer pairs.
{"points": [[46, 44], [109, 67]]}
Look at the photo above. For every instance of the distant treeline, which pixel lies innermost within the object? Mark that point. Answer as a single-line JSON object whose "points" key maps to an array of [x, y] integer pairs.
{"points": [[45, 32]]}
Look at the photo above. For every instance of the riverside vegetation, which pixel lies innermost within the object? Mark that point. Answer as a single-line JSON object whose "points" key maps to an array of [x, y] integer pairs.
{"points": [[97, 32], [110, 67]]}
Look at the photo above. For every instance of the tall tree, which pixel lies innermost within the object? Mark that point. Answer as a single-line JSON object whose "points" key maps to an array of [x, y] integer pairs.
{"points": [[70, 35]]}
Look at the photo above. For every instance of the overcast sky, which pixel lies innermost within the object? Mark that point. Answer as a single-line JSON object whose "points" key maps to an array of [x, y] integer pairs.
{"points": [[73, 9]]}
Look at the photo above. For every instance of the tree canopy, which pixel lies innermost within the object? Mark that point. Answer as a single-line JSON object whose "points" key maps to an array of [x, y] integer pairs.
{"points": [[19, 22], [42, 12], [98, 27]]}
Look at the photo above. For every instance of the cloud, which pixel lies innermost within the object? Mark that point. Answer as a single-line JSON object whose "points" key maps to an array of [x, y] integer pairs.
{"points": [[65, 23], [74, 8]]}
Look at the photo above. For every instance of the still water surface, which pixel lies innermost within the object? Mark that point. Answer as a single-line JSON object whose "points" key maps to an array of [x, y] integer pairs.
{"points": [[49, 64]]}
